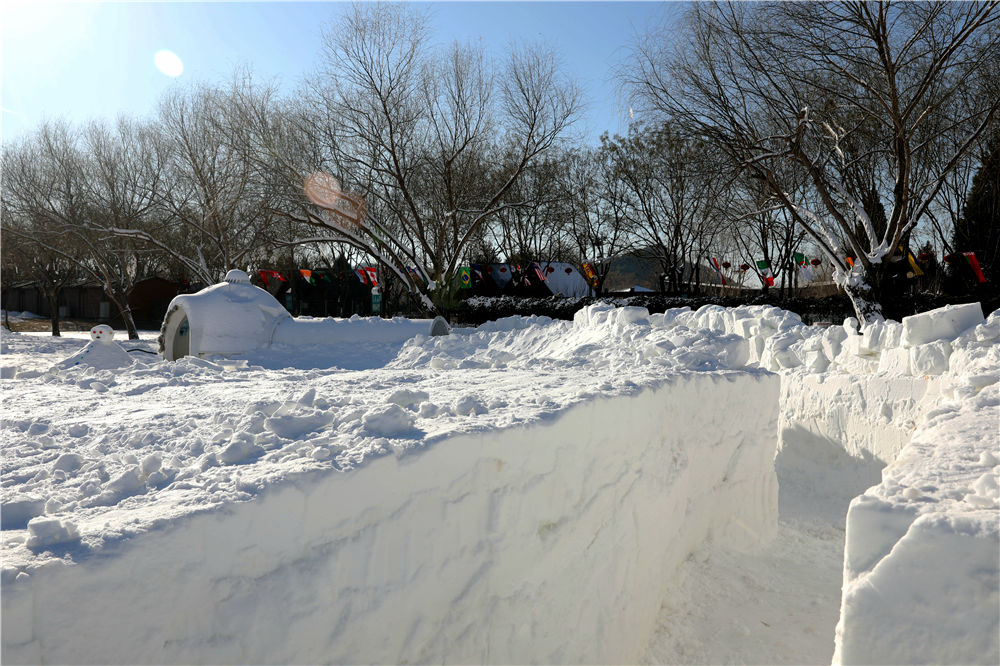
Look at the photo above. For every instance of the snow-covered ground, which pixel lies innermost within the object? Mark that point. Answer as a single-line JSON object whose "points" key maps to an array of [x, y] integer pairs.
{"points": [[530, 490]]}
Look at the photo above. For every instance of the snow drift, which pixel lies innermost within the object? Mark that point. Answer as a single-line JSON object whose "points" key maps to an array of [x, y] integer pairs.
{"points": [[447, 503]]}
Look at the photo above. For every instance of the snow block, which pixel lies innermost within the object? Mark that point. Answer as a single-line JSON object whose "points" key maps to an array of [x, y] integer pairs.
{"points": [[895, 362], [944, 323], [930, 359], [552, 542], [921, 576]]}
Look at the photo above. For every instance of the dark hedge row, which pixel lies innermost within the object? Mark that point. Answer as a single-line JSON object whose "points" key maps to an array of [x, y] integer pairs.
{"points": [[833, 309]]}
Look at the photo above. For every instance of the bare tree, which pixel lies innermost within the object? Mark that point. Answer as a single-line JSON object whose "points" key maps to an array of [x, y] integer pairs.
{"points": [[46, 184], [834, 89], [431, 143], [674, 197], [25, 259], [219, 207]]}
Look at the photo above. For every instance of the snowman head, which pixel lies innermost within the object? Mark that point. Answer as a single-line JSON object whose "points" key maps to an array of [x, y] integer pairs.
{"points": [[102, 332]]}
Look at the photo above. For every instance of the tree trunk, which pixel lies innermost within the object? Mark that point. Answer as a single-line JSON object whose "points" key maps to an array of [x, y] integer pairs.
{"points": [[121, 302], [53, 298], [865, 300]]}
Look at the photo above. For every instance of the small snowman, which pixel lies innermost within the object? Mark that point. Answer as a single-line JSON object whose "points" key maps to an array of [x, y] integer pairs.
{"points": [[102, 352], [102, 332]]}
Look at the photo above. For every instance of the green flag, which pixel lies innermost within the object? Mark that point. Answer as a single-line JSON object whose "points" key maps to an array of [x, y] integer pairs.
{"points": [[464, 277], [799, 258], [765, 272]]}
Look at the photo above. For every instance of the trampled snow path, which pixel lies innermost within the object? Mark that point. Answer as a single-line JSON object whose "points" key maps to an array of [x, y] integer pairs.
{"points": [[777, 604]]}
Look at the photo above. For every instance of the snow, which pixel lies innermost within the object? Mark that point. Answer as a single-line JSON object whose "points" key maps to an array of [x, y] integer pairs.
{"points": [[941, 324], [529, 490]]}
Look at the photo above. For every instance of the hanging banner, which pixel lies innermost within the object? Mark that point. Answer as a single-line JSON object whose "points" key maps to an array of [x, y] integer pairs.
{"points": [[764, 266], [361, 275], [371, 276], [307, 274], [263, 276], [976, 268], [800, 258], [588, 272], [850, 262], [917, 271], [464, 277], [715, 265]]}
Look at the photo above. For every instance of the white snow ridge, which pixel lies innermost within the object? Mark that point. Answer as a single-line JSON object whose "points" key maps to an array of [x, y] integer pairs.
{"points": [[686, 487]]}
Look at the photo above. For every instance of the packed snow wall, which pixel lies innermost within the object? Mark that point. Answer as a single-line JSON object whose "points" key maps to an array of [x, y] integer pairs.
{"points": [[920, 558], [552, 543]]}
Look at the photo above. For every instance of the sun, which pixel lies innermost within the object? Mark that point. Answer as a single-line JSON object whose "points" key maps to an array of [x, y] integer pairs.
{"points": [[168, 63]]}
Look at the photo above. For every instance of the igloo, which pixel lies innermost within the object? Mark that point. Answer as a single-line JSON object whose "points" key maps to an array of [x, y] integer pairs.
{"points": [[235, 317]]}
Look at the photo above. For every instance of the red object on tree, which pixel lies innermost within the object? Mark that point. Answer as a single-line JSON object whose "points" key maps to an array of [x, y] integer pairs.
{"points": [[925, 257], [726, 264], [976, 268], [816, 262], [744, 267]]}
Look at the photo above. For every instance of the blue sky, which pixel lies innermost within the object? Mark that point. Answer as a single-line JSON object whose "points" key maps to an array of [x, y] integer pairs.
{"points": [[85, 60]]}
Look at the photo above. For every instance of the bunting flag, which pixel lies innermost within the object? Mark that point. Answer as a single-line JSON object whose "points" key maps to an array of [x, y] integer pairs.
{"points": [[805, 270], [588, 272], [416, 274], [362, 275], [308, 275], [917, 272], [370, 270], [850, 262], [715, 265], [764, 266], [976, 268], [464, 277], [265, 274]]}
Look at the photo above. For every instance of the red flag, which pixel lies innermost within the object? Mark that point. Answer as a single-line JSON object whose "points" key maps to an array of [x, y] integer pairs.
{"points": [[971, 256], [371, 276], [715, 265], [265, 274]]}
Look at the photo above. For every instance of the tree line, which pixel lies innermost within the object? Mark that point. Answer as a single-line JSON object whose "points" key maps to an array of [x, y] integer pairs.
{"points": [[768, 130]]}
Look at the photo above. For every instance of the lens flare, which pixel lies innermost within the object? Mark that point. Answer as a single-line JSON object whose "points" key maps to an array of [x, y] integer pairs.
{"points": [[323, 190]]}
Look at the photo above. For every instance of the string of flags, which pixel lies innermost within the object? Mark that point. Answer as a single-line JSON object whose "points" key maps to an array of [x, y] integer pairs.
{"points": [[973, 262], [368, 275]]}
